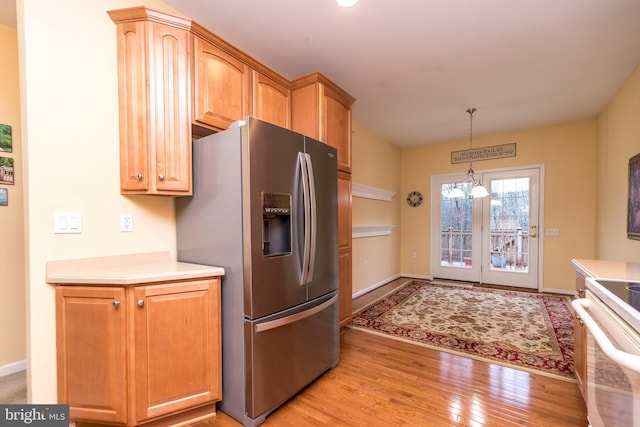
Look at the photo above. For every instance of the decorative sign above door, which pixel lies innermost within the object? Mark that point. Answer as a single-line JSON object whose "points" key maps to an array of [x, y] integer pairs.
{"points": [[483, 153]]}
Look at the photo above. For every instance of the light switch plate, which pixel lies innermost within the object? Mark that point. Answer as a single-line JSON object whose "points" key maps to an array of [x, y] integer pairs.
{"points": [[67, 222], [552, 232]]}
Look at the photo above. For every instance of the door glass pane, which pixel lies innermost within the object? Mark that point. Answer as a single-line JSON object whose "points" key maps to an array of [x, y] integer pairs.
{"points": [[456, 221], [510, 224]]}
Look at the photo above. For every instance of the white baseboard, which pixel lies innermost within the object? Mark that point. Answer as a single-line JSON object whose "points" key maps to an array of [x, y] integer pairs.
{"points": [[13, 367], [387, 280], [375, 285], [423, 277], [417, 276], [558, 291]]}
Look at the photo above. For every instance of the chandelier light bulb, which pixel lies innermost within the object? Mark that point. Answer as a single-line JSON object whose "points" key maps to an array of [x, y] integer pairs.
{"points": [[479, 191], [346, 3], [456, 193]]}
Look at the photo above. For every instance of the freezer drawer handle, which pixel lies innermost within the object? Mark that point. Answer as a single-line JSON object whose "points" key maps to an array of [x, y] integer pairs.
{"points": [[272, 324], [627, 360]]}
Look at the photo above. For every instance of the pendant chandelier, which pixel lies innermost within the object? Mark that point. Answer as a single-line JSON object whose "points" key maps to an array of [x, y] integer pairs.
{"points": [[477, 189]]}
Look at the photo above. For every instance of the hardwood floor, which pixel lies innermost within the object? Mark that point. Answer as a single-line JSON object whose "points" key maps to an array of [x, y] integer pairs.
{"points": [[383, 382]]}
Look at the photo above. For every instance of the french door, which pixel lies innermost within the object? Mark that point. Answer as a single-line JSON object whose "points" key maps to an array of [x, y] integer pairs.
{"points": [[494, 239]]}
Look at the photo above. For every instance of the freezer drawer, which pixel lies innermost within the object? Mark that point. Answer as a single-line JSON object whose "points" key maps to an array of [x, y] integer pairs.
{"points": [[288, 351]]}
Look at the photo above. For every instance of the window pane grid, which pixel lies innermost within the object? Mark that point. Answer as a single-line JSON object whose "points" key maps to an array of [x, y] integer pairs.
{"points": [[509, 220], [455, 229]]}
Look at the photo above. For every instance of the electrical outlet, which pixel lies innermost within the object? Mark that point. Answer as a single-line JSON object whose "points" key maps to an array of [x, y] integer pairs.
{"points": [[126, 222]]}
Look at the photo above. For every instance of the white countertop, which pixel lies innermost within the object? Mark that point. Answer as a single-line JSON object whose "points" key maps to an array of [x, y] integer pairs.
{"points": [[621, 270], [126, 270]]}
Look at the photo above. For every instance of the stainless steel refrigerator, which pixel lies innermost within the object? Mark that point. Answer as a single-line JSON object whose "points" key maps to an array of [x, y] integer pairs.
{"points": [[265, 208]]}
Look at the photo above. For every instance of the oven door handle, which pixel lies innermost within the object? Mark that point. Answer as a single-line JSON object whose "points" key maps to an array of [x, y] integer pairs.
{"points": [[628, 360]]}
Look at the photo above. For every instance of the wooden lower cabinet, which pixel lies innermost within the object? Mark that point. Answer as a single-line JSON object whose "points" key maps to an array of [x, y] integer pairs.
{"points": [[580, 341], [139, 355], [346, 298], [345, 248]]}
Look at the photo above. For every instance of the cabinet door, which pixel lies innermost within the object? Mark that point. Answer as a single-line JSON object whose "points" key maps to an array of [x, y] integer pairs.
{"points": [[271, 100], [169, 101], [154, 95], [91, 354], [133, 94], [322, 110], [177, 346], [221, 86], [580, 341], [346, 292], [336, 127], [344, 242]]}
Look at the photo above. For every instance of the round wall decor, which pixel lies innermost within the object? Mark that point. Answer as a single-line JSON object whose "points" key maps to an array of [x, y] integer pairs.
{"points": [[414, 199]]}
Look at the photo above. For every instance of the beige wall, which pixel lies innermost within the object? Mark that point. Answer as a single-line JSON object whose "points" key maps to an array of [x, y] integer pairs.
{"points": [[67, 54], [69, 141], [567, 152], [618, 140], [376, 163], [12, 291]]}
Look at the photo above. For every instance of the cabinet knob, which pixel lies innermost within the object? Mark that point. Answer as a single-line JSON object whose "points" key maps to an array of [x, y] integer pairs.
{"points": [[139, 176], [116, 303], [140, 302], [161, 177]]}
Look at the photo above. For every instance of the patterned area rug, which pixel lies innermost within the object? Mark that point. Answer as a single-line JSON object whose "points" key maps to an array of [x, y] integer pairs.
{"points": [[527, 331]]}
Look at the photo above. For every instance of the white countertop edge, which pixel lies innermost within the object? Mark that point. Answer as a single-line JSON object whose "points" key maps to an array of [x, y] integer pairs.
{"points": [[620, 270], [126, 270]]}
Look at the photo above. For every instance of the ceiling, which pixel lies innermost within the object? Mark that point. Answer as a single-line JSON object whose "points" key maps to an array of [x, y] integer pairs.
{"points": [[416, 66]]}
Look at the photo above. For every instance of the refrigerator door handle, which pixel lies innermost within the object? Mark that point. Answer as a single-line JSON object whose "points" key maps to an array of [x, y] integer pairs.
{"points": [[312, 202], [277, 323], [307, 219]]}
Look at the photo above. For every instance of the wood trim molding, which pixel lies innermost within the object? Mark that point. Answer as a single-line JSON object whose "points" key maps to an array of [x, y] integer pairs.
{"points": [[371, 231], [368, 192]]}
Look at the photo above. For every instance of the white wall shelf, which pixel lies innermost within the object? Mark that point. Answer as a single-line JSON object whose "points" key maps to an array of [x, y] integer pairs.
{"points": [[367, 192], [371, 231]]}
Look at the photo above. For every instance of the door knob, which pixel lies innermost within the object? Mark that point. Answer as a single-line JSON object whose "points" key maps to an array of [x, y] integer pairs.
{"points": [[140, 302], [116, 303]]}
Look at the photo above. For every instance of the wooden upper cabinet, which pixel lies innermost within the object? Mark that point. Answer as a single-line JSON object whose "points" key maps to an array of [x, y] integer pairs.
{"points": [[322, 110], [154, 94], [271, 100], [222, 85]]}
